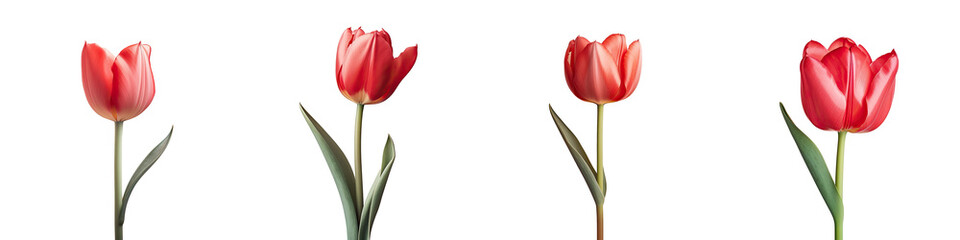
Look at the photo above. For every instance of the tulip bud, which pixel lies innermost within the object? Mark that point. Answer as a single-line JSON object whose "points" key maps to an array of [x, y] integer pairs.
{"points": [[602, 72], [118, 88], [842, 89], [367, 72]]}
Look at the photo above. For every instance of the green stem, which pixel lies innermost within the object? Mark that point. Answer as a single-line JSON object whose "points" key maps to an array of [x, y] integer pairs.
{"points": [[842, 137], [600, 222], [356, 156], [600, 172], [841, 140], [838, 230], [117, 172]]}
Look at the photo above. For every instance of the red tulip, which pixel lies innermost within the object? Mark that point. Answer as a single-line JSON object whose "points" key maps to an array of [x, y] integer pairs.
{"points": [[602, 72], [367, 73], [117, 88], [842, 89]]}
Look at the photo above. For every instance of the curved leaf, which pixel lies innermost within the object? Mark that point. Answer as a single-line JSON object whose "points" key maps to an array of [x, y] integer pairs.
{"points": [[341, 171], [580, 157], [145, 165], [376, 191], [817, 167]]}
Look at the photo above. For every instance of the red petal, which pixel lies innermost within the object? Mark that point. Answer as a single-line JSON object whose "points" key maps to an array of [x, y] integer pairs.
{"points": [[880, 93], [568, 61], [133, 86], [630, 70], [385, 35], [95, 64], [351, 67], [814, 50], [366, 68], [596, 77], [823, 103], [851, 70], [616, 45], [581, 43], [345, 39], [401, 66], [842, 42], [379, 68], [864, 51]]}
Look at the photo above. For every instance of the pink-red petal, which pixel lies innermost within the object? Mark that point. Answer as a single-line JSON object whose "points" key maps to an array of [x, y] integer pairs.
{"points": [[133, 86], [345, 40], [596, 77], [630, 69], [616, 44], [879, 96], [352, 67], [842, 42], [95, 64], [568, 61], [814, 49], [823, 103], [580, 44], [386, 36], [379, 69], [401, 66], [850, 68]]}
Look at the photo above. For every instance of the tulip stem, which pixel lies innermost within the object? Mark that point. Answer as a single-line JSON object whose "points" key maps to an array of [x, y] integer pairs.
{"points": [[600, 172], [599, 222], [117, 172], [841, 140], [356, 156], [838, 230]]}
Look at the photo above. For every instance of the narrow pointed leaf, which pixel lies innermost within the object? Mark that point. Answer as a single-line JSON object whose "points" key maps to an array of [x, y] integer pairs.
{"points": [[580, 158], [145, 165], [376, 191], [389, 153], [817, 166], [341, 171]]}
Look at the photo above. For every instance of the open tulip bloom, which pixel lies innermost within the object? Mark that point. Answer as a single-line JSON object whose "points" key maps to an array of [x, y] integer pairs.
{"points": [[118, 89], [842, 90], [366, 73], [600, 73]]}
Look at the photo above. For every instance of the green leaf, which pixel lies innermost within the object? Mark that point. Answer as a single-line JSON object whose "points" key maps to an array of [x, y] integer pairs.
{"points": [[817, 166], [581, 159], [142, 169], [376, 191], [341, 171]]}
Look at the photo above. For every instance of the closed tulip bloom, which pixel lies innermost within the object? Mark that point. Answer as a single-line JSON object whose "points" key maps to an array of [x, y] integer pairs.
{"points": [[602, 72], [367, 72], [843, 89], [118, 88]]}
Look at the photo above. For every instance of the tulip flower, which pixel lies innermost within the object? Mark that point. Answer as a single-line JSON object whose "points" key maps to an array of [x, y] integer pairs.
{"points": [[842, 90], [120, 88], [602, 72], [367, 72]]}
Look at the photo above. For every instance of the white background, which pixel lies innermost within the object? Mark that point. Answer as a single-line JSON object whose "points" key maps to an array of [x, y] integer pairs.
{"points": [[699, 151]]}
